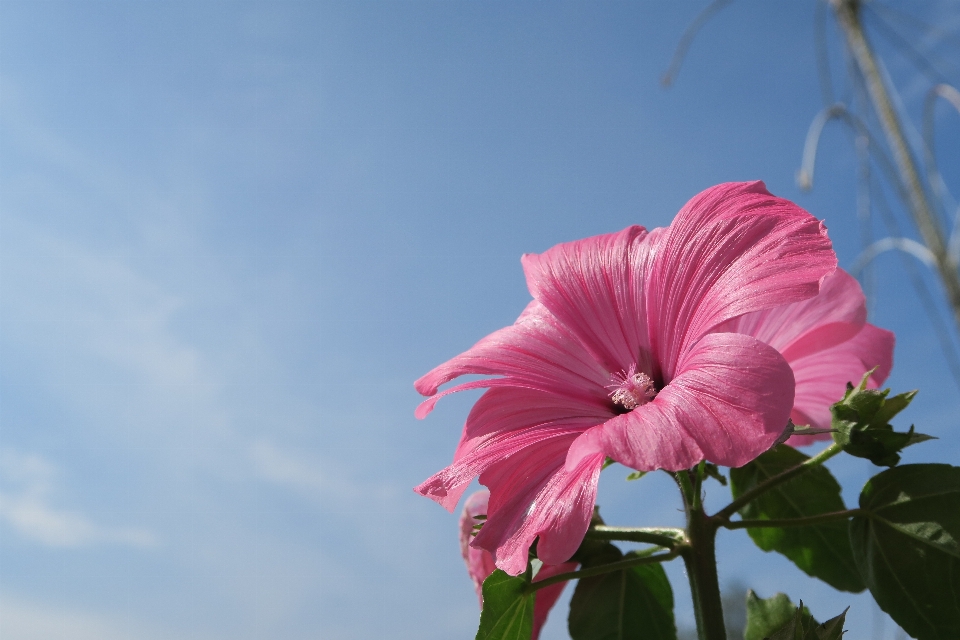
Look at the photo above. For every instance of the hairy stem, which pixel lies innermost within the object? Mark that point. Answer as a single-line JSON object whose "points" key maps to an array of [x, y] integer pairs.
{"points": [[770, 483], [660, 536], [700, 557], [603, 568], [795, 522]]}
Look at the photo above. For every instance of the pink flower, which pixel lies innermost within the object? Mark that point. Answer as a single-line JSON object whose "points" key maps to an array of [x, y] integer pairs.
{"points": [[617, 355], [828, 342], [480, 563]]}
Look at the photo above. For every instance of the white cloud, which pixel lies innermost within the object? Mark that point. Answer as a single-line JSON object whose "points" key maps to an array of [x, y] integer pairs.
{"points": [[276, 466], [24, 620], [28, 485]]}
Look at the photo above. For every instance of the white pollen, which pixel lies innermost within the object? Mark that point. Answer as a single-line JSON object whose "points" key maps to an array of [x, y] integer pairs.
{"points": [[631, 388]]}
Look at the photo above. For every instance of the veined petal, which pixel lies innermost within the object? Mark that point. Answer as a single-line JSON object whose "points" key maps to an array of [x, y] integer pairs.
{"points": [[535, 352], [822, 376], [503, 422], [834, 315], [728, 404], [448, 485], [733, 249], [531, 495], [480, 563], [595, 288], [548, 596]]}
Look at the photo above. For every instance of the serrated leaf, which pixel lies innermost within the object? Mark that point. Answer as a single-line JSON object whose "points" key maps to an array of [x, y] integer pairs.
{"points": [[908, 547], [507, 608], [633, 603], [767, 615], [822, 551]]}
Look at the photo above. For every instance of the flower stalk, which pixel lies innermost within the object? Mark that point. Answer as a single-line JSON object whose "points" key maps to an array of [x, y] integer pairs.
{"points": [[724, 514], [603, 568], [700, 557]]}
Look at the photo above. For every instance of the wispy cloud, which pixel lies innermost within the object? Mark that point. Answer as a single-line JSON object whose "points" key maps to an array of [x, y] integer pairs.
{"points": [[27, 492], [22, 619]]}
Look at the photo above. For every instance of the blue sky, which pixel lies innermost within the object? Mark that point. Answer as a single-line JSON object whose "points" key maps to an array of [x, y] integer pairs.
{"points": [[233, 234]]}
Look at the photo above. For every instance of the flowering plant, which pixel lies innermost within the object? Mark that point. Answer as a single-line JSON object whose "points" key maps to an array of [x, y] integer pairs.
{"points": [[713, 341]]}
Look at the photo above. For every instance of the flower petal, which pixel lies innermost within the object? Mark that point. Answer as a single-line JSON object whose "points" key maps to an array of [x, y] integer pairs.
{"points": [[834, 315], [728, 404], [548, 596], [535, 352], [595, 288], [504, 421], [531, 495], [822, 377], [480, 563], [733, 249]]}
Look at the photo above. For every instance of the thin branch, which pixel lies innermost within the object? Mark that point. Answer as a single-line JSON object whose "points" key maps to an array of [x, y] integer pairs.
{"points": [[914, 248], [687, 39], [952, 96], [823, 57], [750, 495], [601, 569], [839, 111], [794, 522], [660, 536], [923, 292], [923, 64]]}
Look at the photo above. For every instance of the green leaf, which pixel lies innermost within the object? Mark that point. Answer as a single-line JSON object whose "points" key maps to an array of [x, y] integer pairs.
{"points": [[767, 615], [823, 550], [861, 424], [507, 608], [632, 603], [908, 547]]}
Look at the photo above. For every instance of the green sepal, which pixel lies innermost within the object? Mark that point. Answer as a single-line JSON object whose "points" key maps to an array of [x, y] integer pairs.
{"points": [[861, 424], [822, 551], [765, 616], [636, 475], [633, 603], [832, 629], [507, 607], [713, 471], [907, 545], [800, 626]]}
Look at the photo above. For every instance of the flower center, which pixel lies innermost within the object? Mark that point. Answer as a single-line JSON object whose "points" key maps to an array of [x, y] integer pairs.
{"points": [[631, 388]]}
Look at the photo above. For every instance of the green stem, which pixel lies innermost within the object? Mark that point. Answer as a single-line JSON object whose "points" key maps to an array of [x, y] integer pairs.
{"points": [[697, 485], [683, 480], [601, 569], [770, 483], [663, 537], [700, 557], [795, 522]]}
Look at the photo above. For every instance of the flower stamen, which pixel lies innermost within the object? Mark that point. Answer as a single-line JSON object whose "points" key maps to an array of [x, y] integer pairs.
{"points": [[632, 388]]}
